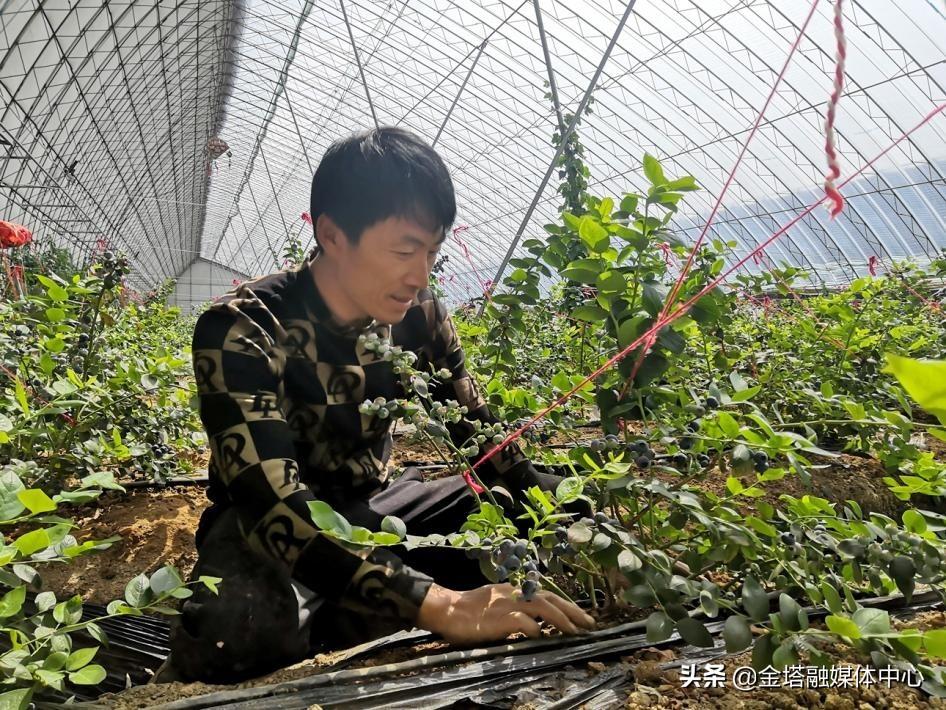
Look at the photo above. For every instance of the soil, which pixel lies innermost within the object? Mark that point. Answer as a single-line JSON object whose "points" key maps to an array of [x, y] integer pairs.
{"points": [[156, 528]]}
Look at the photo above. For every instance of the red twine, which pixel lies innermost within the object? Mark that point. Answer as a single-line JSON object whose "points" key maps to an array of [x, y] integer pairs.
{"points": [[307, 218], [872, 265], [830, 144]]}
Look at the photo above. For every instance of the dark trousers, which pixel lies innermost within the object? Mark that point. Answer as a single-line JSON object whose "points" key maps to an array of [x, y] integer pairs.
{"points": [[263, 620]]}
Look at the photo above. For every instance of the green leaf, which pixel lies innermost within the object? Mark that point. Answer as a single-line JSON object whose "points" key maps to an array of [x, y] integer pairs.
{"points": [[10, 486], [872, 622], [579, 534], [788, 610], [914, 521], [628, 562], [762, 652], [45, 601], [653, 295], [36, 500], [89, 675], [785, 654], [903, 570], [659, 627], [12, 602], [55, 315], [653, 170], [935, 643], [54, 345], [694, 632], [327, 519], [629, 203], [57, 293], [736, 634], [395, 526], [593, 234], [728, 424], [590, 313], [165, 580], [80, 658], [832, 599], [16, 699], [210, 582], [924, 380], [33, 541], [842, 626], [754, 599], [69, 611], [138, 591], [55, 661]]}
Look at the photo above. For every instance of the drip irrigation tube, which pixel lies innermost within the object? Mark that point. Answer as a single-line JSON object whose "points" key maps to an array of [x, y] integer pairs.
{"points": [[485, 675]]}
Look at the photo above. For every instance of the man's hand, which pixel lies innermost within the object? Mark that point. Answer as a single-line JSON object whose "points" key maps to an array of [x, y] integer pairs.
{"points": [[494, 611]]}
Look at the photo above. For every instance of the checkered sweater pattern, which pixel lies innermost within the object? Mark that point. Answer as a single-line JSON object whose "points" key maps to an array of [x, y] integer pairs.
{"points": [[279, 386]]}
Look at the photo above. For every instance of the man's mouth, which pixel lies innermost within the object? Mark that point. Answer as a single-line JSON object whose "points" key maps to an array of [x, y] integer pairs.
{"points": [[403, 301]]}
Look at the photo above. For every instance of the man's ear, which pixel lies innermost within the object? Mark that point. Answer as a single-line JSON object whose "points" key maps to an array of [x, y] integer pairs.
{"points": [[329, 235]]}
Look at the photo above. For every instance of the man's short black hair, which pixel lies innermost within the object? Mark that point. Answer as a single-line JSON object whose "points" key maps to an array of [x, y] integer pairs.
{"points": [[380, 173]]}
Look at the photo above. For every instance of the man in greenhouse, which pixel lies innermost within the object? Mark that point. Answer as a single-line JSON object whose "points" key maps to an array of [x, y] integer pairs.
{"points": [[297, 372]]}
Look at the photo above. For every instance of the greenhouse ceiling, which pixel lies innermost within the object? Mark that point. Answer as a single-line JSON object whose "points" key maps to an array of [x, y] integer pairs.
{"points": [[184, 130]]}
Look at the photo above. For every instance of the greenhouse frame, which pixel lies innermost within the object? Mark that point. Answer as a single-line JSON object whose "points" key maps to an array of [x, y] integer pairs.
{"points": [[687, 272]]}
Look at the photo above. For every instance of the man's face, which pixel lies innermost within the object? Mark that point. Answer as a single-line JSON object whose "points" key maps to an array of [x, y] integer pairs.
{"points": [[381, 275]]}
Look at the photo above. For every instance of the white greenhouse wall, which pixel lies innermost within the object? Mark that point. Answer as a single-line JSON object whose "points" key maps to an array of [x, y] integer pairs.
{"points": [[202, 282]]}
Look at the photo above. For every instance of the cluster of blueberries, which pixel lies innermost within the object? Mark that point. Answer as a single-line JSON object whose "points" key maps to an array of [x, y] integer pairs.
{"points": [[160, 450], [116, 266], [643, 455], [509, 556]]}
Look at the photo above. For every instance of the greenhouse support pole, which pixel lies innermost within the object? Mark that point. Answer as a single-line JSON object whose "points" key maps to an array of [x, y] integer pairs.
{"points": [[361, 69], [561, 147], [553, 89], [460, 92]]}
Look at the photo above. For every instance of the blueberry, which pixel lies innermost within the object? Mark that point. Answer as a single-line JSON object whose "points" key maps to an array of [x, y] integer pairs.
{"points": [[505, 547], [512, 563], [529, 567], [694, 426], [601, 517], [712, 402], [502, 574], [643, 462], [787, 538], [561, 533], [686, 442], [520, 550], [703, 460], [529, 588], [680, 460]]}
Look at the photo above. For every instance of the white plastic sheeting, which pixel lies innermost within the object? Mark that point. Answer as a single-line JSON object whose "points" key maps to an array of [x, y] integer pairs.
{"points": [[136, 90]]}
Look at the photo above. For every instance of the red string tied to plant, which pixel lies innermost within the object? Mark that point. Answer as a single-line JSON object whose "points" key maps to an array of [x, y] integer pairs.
{"points": [[872, 265], [307, 218], [667, 252], [830, 145], [474, 486]]}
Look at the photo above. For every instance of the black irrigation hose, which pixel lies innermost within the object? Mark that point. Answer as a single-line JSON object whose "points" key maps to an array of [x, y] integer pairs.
{"points": [[483, 669]]}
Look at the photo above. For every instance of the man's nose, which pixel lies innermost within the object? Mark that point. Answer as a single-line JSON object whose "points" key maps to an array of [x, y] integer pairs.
{"points": [[419, 273]]}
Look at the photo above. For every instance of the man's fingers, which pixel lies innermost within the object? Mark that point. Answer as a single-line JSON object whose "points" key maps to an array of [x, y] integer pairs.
{"points": [[550, 612], [520, 621], [575, 615]]}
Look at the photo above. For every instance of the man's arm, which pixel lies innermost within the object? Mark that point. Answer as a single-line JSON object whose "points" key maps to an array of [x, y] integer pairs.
{"points": [[239, 369]]}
